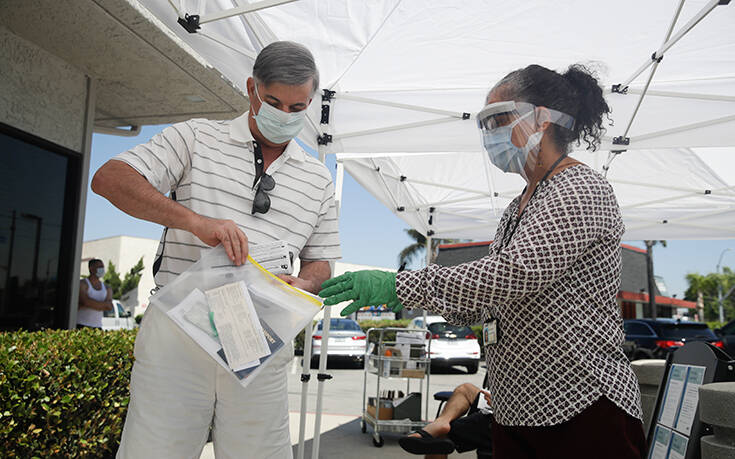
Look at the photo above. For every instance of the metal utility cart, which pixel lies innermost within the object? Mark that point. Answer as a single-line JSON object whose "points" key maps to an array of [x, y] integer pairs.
{"points": [[415, 365]]}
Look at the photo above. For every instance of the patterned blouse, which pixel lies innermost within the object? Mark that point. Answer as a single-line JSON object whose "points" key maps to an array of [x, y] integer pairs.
{"points": [[552, 289]]}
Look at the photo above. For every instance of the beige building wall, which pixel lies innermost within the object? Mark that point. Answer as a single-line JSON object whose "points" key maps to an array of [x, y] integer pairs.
{"points": [[124, 252]]}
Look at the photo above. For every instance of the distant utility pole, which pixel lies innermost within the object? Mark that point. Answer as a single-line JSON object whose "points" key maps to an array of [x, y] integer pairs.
{"points": [[651, 285]]}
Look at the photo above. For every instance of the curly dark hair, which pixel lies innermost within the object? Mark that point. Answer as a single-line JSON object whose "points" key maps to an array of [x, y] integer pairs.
{"points": [[575, 92]]}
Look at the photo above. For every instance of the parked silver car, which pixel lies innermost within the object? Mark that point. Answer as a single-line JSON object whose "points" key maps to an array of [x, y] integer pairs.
{"points": [[346, 341]]}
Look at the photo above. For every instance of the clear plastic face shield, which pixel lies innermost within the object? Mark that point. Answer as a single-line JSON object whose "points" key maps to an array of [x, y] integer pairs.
{"points": [[512, 133]]}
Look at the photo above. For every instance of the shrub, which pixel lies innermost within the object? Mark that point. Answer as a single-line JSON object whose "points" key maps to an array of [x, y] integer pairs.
{"points": [[63, 393]]}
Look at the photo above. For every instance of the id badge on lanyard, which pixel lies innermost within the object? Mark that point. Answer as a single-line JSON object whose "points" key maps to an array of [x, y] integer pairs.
{"points": [[490, 332]]}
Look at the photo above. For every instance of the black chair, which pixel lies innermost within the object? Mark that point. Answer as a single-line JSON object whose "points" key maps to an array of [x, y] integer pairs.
{"points": [[442, 397]]}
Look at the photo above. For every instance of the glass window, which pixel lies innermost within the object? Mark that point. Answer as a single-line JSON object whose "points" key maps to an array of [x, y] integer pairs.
{"points": [[729, 329], [341, 324], [36, 231], [637, 329], [445, 329], [687, 331]]}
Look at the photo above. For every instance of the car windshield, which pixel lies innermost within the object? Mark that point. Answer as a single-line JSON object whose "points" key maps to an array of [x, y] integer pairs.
{"points": [[341, 324], [687, 331], [445, 329]]}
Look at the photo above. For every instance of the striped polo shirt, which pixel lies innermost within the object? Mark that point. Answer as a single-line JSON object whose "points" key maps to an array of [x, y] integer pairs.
{"points": [[211, 168]]}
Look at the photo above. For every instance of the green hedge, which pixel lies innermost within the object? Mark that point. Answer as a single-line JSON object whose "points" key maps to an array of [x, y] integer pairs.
{"points": [[63, 393]]}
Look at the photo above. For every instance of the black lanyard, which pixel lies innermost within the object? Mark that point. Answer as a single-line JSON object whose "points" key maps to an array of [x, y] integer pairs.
{"points": [[515, 227]]}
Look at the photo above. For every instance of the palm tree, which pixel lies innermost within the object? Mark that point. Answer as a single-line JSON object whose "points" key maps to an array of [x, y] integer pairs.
{"points": [[418, 247], [649, 266]]}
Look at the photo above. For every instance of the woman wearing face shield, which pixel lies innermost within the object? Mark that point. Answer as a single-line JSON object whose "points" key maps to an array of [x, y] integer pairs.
{"points": [[546, 292]]}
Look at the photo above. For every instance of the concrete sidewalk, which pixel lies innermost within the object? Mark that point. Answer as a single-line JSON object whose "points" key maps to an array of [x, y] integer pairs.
{"points": [[341, 436]]}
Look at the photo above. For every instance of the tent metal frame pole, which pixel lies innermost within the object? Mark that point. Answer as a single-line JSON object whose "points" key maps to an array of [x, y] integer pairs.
{"points": [[322, 374], [229, 44], [176, 8], [448, 187], [451, 201], [686, 127], [467, 227], [305, 376], [652, 185], [683, 95], [680, 196], [416, 108], [671, 41], [339, 186], [656, 59], [257, 6], [397, 127], [678, 221]]}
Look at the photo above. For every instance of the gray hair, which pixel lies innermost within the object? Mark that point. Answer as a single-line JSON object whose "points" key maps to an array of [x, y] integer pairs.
{"points": [[286, 62]]}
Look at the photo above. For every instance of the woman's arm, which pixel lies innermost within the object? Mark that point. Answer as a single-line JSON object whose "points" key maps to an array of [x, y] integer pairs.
{"points": [[543, 249]]}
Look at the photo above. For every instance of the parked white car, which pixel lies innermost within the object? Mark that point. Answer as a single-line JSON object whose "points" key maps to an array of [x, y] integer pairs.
{"points": [[118, 318], [450, 344], [346, 341]]}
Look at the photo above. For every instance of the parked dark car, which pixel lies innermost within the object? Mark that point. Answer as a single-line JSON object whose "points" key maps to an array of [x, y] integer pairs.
{"points": [[654, 339], [727, 335]]}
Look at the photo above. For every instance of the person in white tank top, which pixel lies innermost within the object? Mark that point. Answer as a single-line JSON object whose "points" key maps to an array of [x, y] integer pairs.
{"points": [[94, 296]]}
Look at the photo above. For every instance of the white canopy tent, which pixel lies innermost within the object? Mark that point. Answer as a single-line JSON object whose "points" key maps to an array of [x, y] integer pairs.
{"points": [[403, 78], [408, 75]]}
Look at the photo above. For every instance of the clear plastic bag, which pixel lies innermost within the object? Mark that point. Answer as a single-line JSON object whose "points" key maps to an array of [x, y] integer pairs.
{"points": [[283, 310]]}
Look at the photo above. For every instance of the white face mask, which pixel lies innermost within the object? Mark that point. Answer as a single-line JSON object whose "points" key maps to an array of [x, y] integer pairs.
{"points": [[503, 152], [276, 125], [100, 272]]}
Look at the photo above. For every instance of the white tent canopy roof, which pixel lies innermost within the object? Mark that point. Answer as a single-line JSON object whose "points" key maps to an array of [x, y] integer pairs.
{"points": [[406, 74], [663, 194]]}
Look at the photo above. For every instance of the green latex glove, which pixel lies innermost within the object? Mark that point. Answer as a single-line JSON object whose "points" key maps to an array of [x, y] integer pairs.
{"points": [[366, 288]]}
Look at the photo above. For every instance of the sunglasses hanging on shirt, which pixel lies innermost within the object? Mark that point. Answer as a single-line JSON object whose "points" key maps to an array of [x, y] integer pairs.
{"points": [[264, 183]]}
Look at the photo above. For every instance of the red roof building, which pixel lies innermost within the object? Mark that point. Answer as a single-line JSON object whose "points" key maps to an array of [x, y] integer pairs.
{"points": [[633, 294]]}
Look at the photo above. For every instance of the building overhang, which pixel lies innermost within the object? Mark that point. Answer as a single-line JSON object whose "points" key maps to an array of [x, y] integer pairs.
{"points": [[660, 300], [144, 73]]}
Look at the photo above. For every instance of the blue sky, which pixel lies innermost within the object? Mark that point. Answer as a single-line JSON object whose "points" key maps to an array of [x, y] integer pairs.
{"points": [[370, 233]]}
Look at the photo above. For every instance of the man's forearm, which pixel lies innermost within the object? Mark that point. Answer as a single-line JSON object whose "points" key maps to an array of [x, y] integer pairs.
{"points": [[316, 272], [130, 192]]}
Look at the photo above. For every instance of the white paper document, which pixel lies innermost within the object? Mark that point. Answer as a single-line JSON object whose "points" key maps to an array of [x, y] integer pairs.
{"points": [[238, 326], [660, 447], [674, 392], [689, 404], [678, 448]]}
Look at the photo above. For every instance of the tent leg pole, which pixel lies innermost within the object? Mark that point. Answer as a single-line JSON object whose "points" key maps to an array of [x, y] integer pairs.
{"points": [[305, 367], [320, 383]]}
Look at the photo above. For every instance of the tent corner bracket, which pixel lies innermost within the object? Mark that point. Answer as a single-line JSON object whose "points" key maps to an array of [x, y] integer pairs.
{"points": [[328, 95], [190, 22], [620, 140], [324, 139], [619, 89], [465, 116]]}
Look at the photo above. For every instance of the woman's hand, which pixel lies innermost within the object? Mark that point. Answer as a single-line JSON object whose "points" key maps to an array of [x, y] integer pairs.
{"points": [[365, 288]]}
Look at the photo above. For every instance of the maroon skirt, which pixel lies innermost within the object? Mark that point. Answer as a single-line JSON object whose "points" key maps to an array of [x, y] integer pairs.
{"points": [[601, 431]]}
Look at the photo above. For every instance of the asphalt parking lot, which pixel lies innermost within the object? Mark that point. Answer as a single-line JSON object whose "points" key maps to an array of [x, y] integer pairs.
{"points": [[342, 407]]}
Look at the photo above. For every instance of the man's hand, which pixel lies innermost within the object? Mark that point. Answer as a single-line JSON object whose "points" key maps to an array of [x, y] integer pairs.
{"points": [[366, 288], [485, 394], [212, 231], [303, 284]]}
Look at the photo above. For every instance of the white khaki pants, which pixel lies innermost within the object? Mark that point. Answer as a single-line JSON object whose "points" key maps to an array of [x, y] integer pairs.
{"points": [[177, 390]]}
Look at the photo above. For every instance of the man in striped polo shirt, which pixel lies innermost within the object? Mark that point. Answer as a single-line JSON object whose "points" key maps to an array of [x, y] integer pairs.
{"points": [[237, 182]]}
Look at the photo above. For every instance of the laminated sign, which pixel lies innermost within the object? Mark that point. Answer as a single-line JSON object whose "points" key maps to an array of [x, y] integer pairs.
{"points": [[240, 315]]}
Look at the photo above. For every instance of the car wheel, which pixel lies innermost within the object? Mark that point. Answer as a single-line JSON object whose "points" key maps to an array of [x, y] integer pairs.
{"points": [[472, 368]]}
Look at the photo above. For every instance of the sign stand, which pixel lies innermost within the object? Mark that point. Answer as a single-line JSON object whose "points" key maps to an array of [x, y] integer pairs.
{"points": [[676, 430]]}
